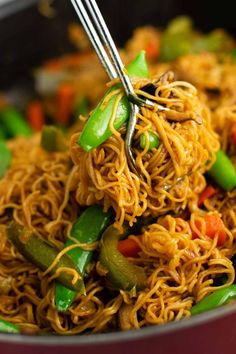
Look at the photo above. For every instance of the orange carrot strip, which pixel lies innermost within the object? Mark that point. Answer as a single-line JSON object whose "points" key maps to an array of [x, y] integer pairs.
{"points": [[152, 49], [208, 192], [214, 225], [64, 102], [233, 135], [35, 115], [129, 248]]}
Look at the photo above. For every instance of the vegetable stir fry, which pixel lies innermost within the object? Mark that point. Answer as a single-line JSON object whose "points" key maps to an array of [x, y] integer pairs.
{"points": [[87, 245]]}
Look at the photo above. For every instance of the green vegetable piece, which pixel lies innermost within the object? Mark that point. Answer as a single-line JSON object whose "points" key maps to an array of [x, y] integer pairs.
{"points": [[180, 24], [8, 327], [14, 123], [42, 254], [5, 158], [213, 42], [223, 171], [217, 298], [217, 41], [200, 45], [120, 272], [176, 39], [87, 229], [173, 46], [139, 67], [52, 139], [96, 129], [153, 141]]}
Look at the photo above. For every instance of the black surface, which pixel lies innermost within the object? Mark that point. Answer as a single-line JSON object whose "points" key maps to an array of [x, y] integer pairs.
{"points": [[9, 7], [27, 38]]}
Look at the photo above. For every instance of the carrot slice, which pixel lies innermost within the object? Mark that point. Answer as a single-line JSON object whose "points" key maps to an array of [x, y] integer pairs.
{"points": [[64, 103], [152, 49], [35, 115], [208, 192], [233, 135], [129, 248], [214, 226]]}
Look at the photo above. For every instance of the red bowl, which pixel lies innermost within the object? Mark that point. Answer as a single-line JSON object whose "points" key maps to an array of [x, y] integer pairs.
{"points": [[211, 332]]}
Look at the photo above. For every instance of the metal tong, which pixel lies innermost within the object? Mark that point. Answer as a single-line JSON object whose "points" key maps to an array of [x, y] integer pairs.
{"points": [[99, 35]]}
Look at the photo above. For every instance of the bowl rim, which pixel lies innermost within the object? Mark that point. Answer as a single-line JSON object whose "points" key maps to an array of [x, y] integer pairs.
{"points": [[121, 336]]}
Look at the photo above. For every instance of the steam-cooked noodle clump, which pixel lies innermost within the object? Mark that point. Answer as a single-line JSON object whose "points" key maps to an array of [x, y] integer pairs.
{"points": [[172, 173]]}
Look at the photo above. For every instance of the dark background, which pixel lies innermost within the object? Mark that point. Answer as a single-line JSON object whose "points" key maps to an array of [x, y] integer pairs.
{"points": [[27, 38]]}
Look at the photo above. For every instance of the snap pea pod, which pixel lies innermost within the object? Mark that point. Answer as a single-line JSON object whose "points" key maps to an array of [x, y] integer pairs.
{"points": [[223, 171], [180, 24], [52, 139], [138, 67], [5, 158], [120, 272], [14, 123], [215, 299], [87, 229], [173, 46], [26, 328], [176, 39], [96, 129], [8, 327], [153, 141], [179, 39], [42, 254], [213, 42]]}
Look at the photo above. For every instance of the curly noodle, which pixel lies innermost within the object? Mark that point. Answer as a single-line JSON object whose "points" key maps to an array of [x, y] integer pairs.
{"points": [[173, 172], [45, 192]]}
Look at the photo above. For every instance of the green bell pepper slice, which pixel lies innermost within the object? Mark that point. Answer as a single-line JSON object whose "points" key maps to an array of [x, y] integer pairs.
{"points": [[120, 272], [42, 254]]}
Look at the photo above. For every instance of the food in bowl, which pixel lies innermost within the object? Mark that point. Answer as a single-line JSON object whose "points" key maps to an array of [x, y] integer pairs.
{"points": [[87, 245]]}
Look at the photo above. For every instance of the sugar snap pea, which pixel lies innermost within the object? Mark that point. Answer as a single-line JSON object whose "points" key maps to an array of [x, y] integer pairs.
{"points": [[86, 229], [14, 123], [5, 158], [217, 298], [8, 327], [223, 171], [96, 129], [153, 141]]}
